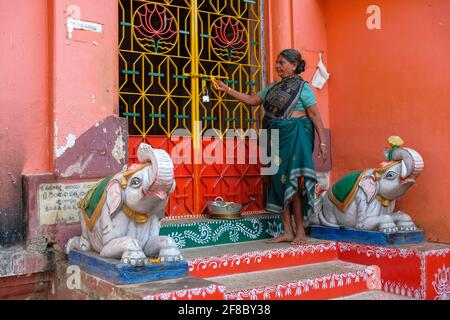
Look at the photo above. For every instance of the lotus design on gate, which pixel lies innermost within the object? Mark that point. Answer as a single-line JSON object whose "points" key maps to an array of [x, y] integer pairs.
{"points": [[155, 28], [229, 38]]}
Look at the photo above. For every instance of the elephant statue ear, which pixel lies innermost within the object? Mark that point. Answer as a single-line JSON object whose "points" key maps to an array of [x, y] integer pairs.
{"points": [[114, 197], [370, 187]]}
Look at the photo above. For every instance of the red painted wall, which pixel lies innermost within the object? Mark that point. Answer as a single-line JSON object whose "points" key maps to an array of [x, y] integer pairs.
{"points": [[393, 81]]}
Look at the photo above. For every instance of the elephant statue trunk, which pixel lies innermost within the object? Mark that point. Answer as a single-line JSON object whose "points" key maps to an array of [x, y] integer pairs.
{"points": [[161, 171], [412, 163]]}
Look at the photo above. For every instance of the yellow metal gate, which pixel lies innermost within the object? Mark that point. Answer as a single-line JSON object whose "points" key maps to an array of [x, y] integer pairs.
{"points": [[168, 52]]}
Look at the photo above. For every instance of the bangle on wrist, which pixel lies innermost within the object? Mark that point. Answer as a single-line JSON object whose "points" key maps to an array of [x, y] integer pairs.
{"points": [[323, 144], [229, 89]]}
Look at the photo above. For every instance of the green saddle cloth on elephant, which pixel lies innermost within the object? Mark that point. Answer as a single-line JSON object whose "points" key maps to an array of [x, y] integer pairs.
{"points": [[92, 202], [343, 191]]}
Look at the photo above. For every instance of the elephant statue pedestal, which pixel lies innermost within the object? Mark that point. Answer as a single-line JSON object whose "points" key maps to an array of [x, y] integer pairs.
{"points": [[366, 237], [360, 206], [118, 273]]}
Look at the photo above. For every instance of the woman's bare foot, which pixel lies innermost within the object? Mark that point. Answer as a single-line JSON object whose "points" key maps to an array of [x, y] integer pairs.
{"points": [[284, 237], [299, 239]]}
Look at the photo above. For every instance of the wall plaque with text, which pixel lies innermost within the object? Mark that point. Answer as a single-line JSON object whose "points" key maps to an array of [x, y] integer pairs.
{"points": [[57, 202]]}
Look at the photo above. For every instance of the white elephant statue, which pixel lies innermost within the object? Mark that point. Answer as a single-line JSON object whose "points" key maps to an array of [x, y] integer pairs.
{"points": [[121, 215], [366, 199]]}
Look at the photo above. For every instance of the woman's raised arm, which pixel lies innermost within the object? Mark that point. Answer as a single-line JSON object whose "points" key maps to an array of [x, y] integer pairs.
{"points": [[251, 100]]}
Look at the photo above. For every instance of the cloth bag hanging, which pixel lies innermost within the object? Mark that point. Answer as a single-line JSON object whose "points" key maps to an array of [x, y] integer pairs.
{"points": [[321, 76]]}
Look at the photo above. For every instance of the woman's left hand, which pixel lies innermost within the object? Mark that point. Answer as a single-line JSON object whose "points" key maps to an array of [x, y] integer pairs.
{"points": [[221, 86], [323, 152]]}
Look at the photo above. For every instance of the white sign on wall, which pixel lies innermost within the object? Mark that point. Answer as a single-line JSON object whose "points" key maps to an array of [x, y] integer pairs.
{"points": [[57, 202], [82, 25]]}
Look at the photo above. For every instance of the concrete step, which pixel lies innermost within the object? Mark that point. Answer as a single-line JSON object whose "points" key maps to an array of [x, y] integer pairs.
{"points": [[259, 255], [320, 281], [186, 288], [72, 284], [373, 295]]}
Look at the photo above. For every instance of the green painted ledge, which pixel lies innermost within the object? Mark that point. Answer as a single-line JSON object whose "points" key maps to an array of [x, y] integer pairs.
{"points": [[202, 232]]}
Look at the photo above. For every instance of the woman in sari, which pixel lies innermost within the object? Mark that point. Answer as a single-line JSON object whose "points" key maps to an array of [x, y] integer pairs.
{"points": [[290, 107]]}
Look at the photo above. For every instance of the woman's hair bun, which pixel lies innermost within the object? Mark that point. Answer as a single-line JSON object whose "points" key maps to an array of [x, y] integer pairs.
{"points": [[300, 67]]}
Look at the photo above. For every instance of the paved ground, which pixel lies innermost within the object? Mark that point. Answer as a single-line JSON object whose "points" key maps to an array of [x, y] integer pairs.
{"points": [[374, 295]]}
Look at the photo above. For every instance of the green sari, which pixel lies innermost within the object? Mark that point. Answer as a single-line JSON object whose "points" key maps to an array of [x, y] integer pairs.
{"points": [[296, 147]]}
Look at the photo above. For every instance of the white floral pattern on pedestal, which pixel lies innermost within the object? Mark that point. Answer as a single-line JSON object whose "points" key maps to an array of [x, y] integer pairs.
{"points": [[401, 290], [275, 229], [423, 270], [437, 252], [206, 233], [441, 284], [391, 253]]}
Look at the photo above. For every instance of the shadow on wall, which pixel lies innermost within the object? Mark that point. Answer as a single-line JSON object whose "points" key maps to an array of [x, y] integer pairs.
{"points": [[12, 224]]}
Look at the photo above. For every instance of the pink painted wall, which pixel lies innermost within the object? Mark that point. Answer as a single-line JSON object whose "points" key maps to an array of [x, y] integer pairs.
{"points": [[55, 87], [24, 133], [394, 81], [51, 90], [84, 77]]}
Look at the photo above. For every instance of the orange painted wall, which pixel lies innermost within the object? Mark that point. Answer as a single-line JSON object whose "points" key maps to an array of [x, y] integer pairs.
{"points": [[394, 81], [298, 24], [310, 37], [24, 131], [278, 26]]}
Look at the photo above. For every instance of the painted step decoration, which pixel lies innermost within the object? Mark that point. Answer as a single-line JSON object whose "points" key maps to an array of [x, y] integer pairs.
{"points": [[324, 280], [230, 259], [199, 232], [418, 271], [255, 256]]}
